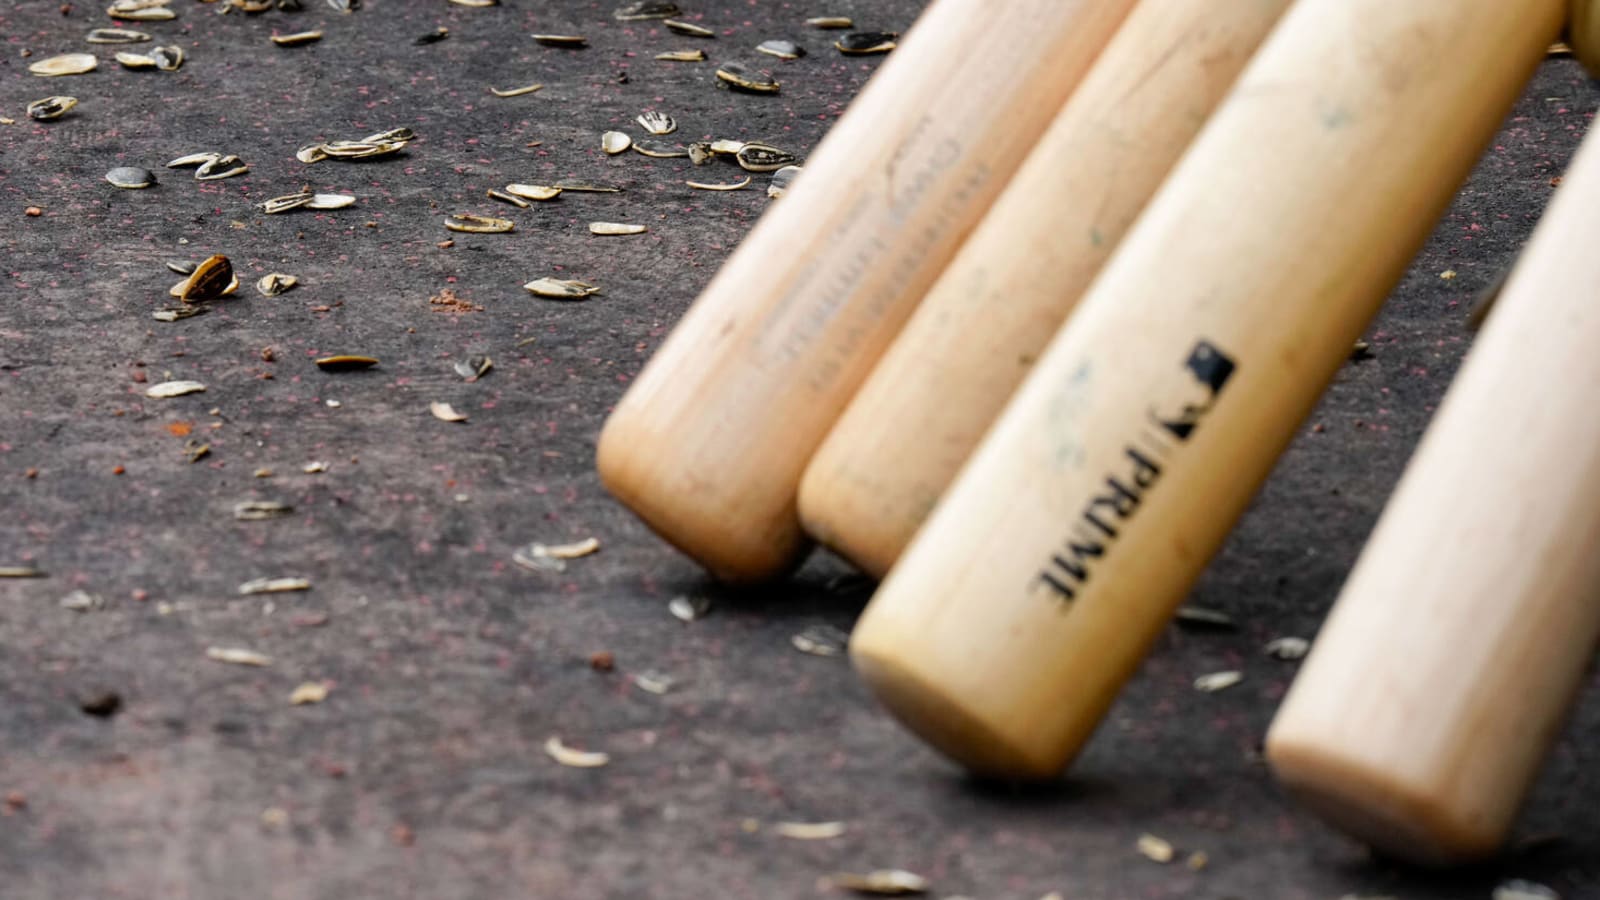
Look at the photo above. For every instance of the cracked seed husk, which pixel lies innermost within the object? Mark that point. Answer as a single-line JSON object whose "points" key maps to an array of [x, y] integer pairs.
{"points": [[863, 43], [65, 64], [259, 510], [131, 178], [577, 759], [50, 108], [274, 586], [883, 882], [275, 283], [444, 412], [238, 656], [561, 289], [1217, 681], [472, 224], [169, 389], [615, 228], [657, 123]]}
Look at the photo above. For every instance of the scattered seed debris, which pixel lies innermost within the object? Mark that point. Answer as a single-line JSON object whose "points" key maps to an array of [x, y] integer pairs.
{"points": [[651, 9], [168, 59], [81, 601], [503, 197], [602, 661], [660, 150], [1217, 681], [821, 640], [238, 656], [444, 412], [682, 56], [473, 367], [809, 831], [50, 108], [688, 608], [657, 123], [516, 92], [116, 36], [781, 49], [258, 510], [308, 693], [763, 158], [130, 178], [741, 78], [20, 572], [782, 181], [577, 759], [1155, 849], [472, 224], [688, 28], [574, 550], [561, 289], [285, 203], [831, 22], [211, 279], [704, 186], [274, 586], [615, 228], [1289, 648], [570, 41], [345, 363], [169, 389], [863, 43], [533, 191], [654, 682], [296, 39], [65, 64], [536, 558], [614, 142], [314, 468], [883, 882], [1201, 617], [275, 283], [1197, 861]]}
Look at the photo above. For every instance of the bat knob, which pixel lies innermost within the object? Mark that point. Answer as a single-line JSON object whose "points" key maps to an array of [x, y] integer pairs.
{"points": [[1583, 33], [1397, 817]]}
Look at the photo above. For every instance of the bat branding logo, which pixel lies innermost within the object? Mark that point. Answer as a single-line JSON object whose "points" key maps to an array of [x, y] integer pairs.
{"points": [[1166, 430]]}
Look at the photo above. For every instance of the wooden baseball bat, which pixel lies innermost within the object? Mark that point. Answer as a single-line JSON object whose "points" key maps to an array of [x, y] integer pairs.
{"points": [[974, 336], [709, 443], [1065, 543], [1443, 675]]}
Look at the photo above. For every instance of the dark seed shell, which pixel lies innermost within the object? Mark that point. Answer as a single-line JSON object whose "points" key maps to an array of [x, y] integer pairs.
{"points": [[210, 279], [861, 43]]}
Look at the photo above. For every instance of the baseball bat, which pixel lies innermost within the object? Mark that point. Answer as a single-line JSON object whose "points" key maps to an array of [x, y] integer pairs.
{"points": [[972, 339], [1461, 636], [1074, 531], [708, 444]]}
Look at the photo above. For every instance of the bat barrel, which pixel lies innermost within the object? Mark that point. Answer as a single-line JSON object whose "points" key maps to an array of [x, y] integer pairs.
{"points": [[709, 443], [1450, 659], [974, 337], [1063, 547]]}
